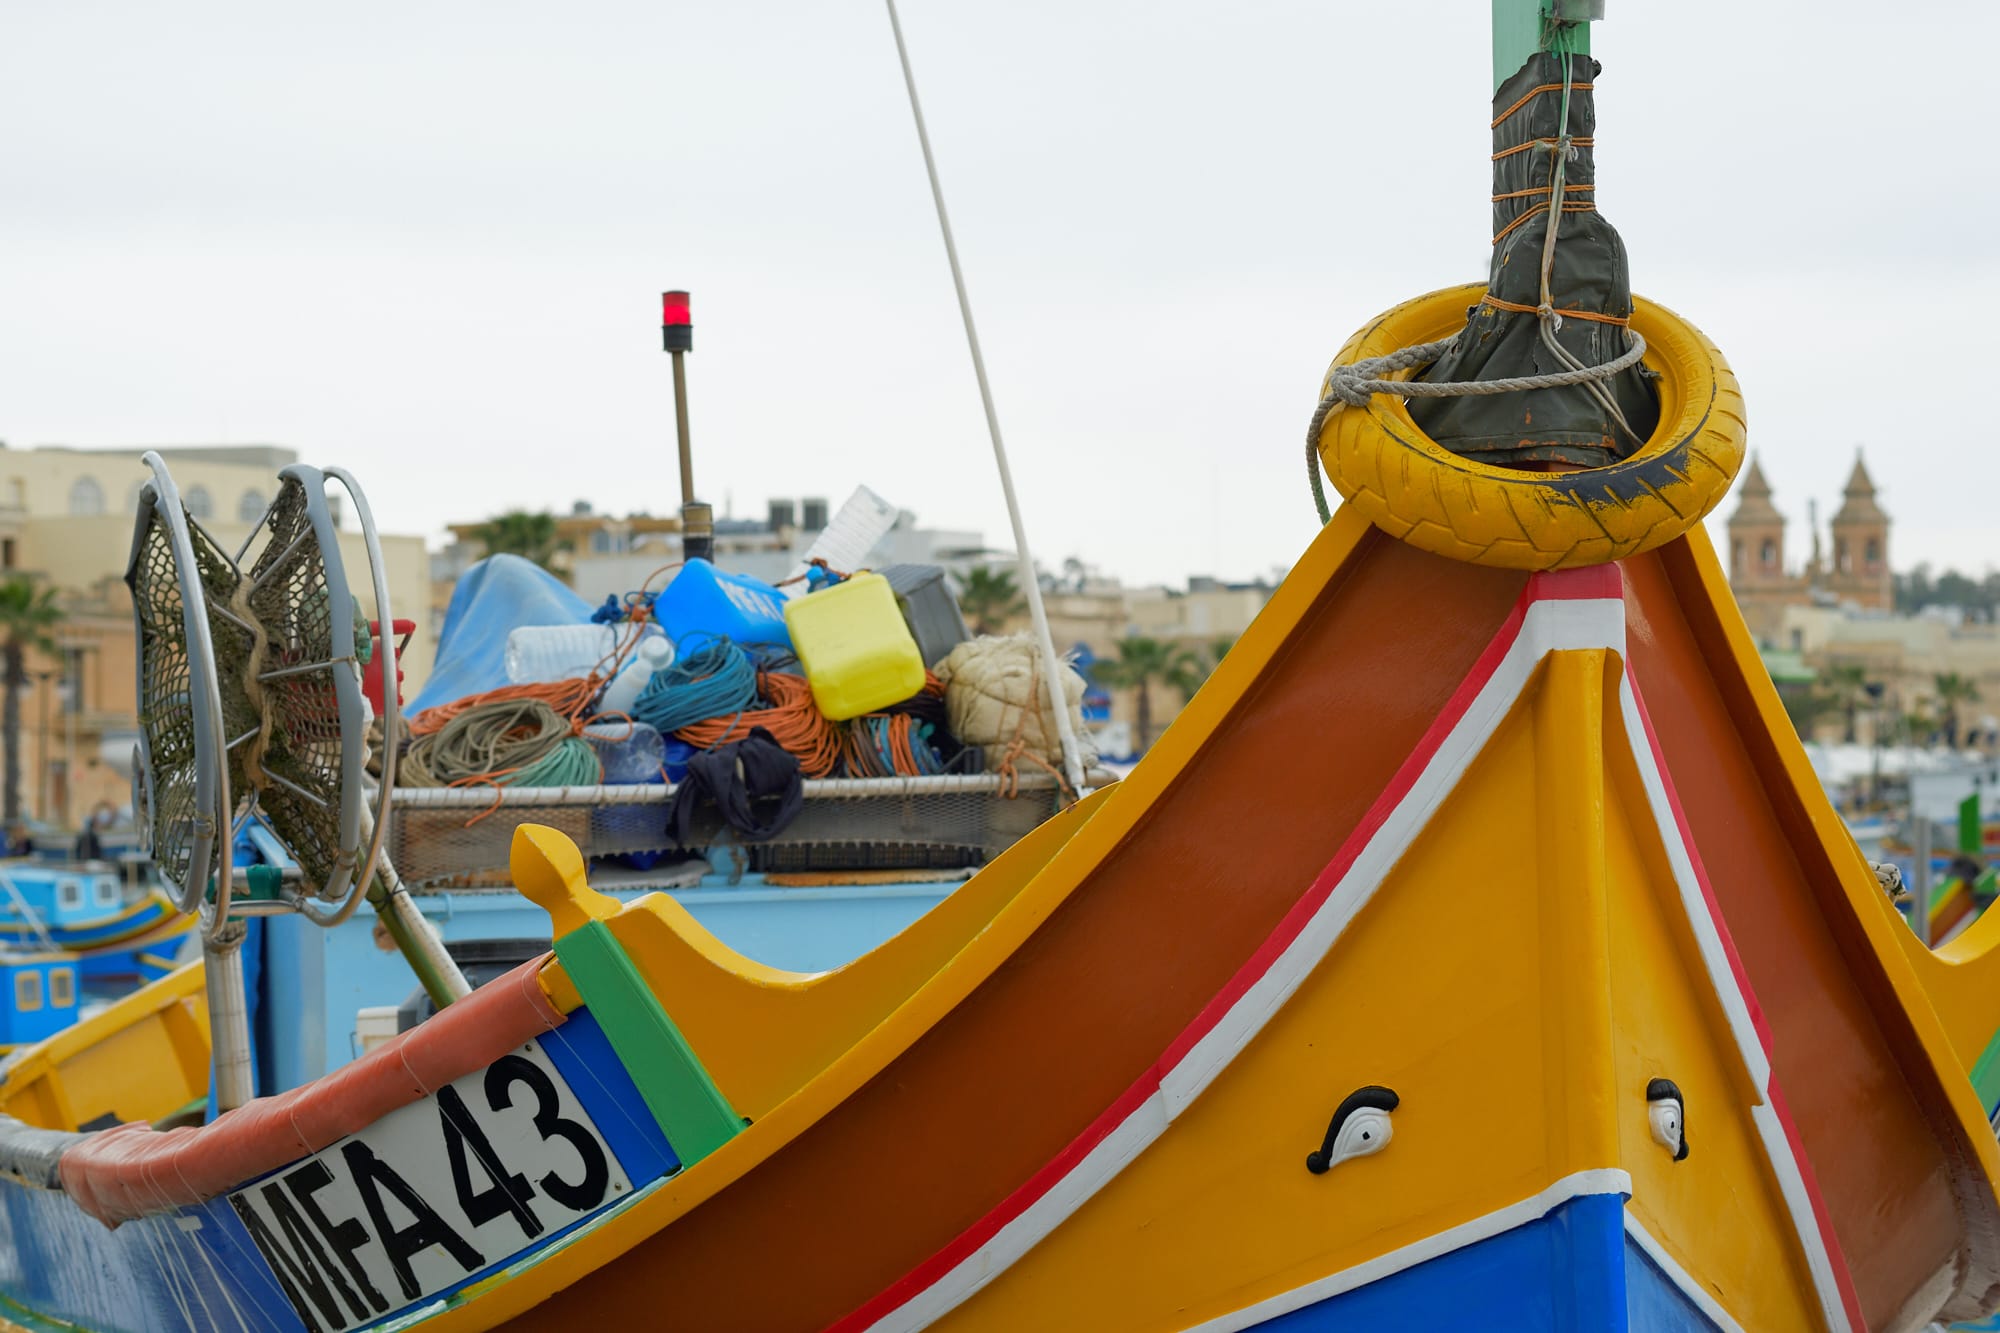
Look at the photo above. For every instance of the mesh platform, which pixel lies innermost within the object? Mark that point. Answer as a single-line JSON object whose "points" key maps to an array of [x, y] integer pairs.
{"points": [[847, 825]]}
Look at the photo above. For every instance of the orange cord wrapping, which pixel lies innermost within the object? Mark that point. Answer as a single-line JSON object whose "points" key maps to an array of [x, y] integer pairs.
{"points": [[1580, 141], [1532, 94], [1540, 191], [1537, 211], [1591, 315]]}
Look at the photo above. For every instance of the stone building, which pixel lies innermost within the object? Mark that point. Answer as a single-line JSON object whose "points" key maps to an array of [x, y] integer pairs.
{"points": [[66, 521], [1860, 573], [1765, 583]]}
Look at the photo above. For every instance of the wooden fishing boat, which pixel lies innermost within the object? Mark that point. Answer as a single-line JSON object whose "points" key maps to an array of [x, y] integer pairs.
{"points": [[1565, 855], [68, 907], [1477, 949]]}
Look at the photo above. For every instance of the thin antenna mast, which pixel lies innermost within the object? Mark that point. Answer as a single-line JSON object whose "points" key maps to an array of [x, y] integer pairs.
{"points": [[1051, 667]]}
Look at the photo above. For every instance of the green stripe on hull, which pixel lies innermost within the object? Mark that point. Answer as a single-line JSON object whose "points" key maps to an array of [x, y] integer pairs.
{"points": [[695, 1116], [1986, 1075]]}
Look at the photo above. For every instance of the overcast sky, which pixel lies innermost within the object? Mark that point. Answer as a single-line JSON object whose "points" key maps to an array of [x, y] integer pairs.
{"points": [[427, 240]]}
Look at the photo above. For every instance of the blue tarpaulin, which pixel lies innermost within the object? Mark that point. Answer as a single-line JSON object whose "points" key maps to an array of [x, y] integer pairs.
{"points": [[499, 594]]}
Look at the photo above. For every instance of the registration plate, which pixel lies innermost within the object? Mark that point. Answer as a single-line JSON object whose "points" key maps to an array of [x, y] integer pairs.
{"points": [[431, 1194]]}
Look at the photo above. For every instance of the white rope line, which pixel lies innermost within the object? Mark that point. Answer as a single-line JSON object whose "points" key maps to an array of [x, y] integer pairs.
{"points": [[1030, 583]]}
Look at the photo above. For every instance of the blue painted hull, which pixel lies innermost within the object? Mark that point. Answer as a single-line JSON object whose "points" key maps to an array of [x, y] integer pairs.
{"points": [[1573, 1270]]}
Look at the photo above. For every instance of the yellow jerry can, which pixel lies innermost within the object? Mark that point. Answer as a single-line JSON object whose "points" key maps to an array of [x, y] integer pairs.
{"points": [[857, 651]]}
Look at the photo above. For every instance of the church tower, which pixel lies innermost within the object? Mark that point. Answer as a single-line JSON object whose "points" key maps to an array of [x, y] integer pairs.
{"points": [[1860, 571], [1757, 556]]}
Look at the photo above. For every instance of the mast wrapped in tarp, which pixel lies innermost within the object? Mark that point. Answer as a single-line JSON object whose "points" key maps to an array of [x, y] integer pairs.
{"points": [[1590, 288]]}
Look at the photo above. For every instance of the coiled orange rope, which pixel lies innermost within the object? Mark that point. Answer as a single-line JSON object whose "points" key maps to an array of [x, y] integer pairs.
{"points": [[792, 718]]}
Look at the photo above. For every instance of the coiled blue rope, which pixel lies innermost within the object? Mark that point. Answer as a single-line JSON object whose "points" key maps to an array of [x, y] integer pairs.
{"points": [[714, 680]]}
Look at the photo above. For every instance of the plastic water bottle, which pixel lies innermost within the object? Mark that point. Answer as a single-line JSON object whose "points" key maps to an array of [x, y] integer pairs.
{"points": [[654, 653], [629, 754], [539, 653]]}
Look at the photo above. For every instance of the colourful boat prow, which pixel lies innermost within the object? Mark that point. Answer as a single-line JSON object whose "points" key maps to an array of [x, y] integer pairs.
{"points": [[1477, 950], [1532, 985]]}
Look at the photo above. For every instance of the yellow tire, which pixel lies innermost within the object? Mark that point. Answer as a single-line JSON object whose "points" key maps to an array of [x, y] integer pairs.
{"points": [[1414, 489]]}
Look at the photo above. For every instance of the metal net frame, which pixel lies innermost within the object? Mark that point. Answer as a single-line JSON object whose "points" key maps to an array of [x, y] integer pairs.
{"points": [[165, 781], [250, 696]]}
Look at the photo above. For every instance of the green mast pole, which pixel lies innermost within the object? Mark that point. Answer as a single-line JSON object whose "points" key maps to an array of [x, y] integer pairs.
{"points": [[1523, 27]]}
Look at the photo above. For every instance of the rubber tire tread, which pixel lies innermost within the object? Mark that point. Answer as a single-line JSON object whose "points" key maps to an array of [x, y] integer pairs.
{"points": [[1419, 492]]}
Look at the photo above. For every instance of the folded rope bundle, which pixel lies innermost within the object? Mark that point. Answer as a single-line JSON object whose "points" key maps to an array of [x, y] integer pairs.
{"points": [[507, 742], [755, 784], [570, 698], [909, 739], [890, 745]]}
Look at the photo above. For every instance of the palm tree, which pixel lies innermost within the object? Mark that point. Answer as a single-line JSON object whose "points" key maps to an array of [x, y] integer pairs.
{"points": [[529, 535], [27, 613], [1201, 665], [990, 600], [1952, 690], [1849, 688], [1805, 708], [1143, 663], [1919, 728]]}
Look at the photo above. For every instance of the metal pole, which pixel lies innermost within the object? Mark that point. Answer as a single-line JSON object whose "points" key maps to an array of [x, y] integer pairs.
{"points": [[228, 1015], [681, 428], [1523, 27], [1920, 889], [1030, 584], [677, 337], [436, 971], [72, 706]]}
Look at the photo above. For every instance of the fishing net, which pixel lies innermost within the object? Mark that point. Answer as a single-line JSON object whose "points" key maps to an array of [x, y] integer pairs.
{"points": [[286, 660]]}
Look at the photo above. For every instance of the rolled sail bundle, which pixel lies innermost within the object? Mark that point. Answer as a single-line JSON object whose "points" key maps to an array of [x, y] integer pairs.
{"points": [[1580, 274]]}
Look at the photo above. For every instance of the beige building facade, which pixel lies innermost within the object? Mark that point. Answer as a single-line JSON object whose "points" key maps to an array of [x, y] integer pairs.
{"points": [[1905, 655], [66, 519], [1767, 585]]}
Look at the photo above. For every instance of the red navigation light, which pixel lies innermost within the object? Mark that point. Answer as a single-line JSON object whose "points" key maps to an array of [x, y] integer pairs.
{"points": [[674, 310]]}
